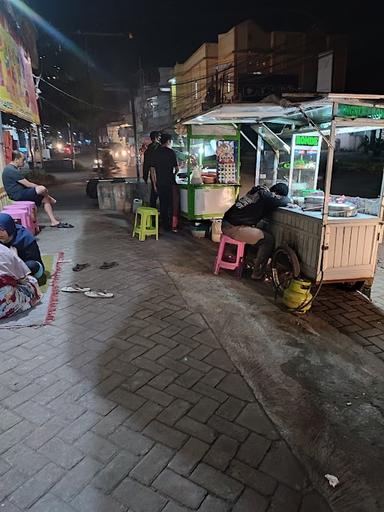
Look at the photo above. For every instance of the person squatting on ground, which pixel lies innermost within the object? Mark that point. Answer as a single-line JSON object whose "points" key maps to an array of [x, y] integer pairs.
{"points": [[14, 236], [18, 188], [18, 290], [241, 220]]}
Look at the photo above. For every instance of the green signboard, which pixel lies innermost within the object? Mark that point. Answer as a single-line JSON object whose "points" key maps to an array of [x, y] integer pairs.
{"points": [[361, 111], [306, 140]]}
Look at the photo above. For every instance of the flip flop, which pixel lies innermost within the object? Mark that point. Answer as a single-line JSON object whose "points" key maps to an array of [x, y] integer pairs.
{"points": [[75, 289], [99, 294], [61, 225], [106, 265], [79, 267]]}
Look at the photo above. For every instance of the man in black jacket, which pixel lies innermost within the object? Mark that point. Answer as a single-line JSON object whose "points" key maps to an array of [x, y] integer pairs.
{"points": [[148, 155], [241, 220], [164, 168]]}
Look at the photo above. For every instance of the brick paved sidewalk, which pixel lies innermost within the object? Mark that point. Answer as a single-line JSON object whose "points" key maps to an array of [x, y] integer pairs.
{"points": [[352, 314], [132, 404]]}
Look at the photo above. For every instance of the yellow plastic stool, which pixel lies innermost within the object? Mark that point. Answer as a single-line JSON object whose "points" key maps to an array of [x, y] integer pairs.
{"points": [[147, 224]]}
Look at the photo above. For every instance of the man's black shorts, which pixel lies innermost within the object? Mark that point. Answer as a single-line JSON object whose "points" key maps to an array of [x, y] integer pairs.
{"points": [[29, 194]]}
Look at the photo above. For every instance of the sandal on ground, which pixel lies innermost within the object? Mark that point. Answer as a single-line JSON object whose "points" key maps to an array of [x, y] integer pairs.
{"points": [[79, 267], [106, 265], [99, 294], [75, 289], [62, 225]]}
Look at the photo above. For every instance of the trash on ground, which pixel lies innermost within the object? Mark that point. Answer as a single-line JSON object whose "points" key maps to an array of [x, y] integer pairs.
{"points": [[333, 480]]}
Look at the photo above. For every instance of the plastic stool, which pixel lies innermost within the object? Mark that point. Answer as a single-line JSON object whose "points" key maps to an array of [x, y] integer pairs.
{"points": [[32, 209], [146, 226], [22, 215], [236, 265]]}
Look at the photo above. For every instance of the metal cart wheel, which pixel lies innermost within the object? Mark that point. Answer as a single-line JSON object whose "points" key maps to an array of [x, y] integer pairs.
{"points": [[285, 266]]}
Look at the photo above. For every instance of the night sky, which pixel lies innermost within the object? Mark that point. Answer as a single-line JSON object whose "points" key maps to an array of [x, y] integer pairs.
{"points": [[167, 31]]}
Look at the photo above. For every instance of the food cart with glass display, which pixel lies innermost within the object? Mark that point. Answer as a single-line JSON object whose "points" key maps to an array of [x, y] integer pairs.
{"points": [[211, 182], [330, 151]]}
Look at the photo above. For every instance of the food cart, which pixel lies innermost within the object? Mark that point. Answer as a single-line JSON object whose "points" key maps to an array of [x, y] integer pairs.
{"points": [[324, 155], [215, 151]]}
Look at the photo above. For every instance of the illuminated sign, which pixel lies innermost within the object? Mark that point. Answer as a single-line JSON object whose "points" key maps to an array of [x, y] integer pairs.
{"points": [[306, 140], [360, 111]]}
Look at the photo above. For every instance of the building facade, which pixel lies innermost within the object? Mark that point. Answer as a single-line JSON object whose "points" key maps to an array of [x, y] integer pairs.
{"points": [[193, 82], [250, 62]]}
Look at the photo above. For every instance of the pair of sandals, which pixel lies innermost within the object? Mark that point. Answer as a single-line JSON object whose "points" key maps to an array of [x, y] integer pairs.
{"points": [[62, 225], [93, 294], [104, 266]]}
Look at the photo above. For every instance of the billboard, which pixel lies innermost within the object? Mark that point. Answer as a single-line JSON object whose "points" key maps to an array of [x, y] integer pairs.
{"points": [[17, 89]]}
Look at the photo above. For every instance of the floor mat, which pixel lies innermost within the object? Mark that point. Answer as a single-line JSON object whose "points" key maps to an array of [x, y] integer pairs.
{"points": [[44, 313]]}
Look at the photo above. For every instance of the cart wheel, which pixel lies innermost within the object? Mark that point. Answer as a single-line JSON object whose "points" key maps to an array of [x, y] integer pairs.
{"points": [[285, 267]]}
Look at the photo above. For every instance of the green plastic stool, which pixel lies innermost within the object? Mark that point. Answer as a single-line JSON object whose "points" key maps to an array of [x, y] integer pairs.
{"points": [[146, 223]]}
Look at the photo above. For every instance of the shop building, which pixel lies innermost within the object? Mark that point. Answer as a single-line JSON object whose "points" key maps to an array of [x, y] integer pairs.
{"points": [[252, 61]]}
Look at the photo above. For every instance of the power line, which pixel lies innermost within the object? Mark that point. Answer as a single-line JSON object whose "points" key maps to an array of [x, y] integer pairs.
{"points": [[70, 116], [276, 65], [75, 98]]}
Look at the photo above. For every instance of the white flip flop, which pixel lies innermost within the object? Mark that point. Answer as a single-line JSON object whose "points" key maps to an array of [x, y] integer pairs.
{"points": [[99, 294], [75, 289]]}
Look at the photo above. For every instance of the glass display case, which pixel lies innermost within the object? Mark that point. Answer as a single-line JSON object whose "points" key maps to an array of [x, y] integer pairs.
{"points": [[304, 164], [210, 184]]}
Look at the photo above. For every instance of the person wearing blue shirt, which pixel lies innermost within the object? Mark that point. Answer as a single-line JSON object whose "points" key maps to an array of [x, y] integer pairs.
{"points": [[18, 188]]}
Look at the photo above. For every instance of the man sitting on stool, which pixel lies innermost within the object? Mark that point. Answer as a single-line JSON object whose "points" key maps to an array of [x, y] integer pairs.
{"points": [[241, 220], [19, 188]]}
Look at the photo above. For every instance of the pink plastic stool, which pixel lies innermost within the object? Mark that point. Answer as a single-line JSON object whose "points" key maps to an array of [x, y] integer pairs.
{"points": [[30, 206], [237, 264], [22, 215]]}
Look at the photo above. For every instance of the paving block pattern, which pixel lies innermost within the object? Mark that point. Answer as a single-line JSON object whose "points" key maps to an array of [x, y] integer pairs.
{"points": [[132, 405]]}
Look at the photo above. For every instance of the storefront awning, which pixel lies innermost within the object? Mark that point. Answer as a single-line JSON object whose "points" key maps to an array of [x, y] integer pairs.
{"points": [[297, 109], [253, 113]]}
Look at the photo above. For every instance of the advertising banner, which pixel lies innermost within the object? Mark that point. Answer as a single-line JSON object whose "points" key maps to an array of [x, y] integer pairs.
{"points": [[17, 89]]}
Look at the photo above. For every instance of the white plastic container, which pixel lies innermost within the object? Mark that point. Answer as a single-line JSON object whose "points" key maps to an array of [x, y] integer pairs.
{"points": [[137, 203], [216, 230]]}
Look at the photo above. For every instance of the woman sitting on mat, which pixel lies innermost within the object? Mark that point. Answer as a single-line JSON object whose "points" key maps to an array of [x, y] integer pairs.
{"points": [[18, 290], [16, 236]]}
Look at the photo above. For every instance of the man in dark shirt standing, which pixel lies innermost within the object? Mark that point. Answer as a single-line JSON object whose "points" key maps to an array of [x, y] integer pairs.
{"points": [[240, 221], [164, 167], [148, 154], [18, 188]]}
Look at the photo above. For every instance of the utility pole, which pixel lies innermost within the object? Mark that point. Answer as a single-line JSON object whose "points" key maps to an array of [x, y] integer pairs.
{"points": [[71, 141], [134, 123]]}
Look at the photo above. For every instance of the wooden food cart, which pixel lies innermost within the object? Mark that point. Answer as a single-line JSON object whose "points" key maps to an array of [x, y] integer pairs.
{"points": [[315, 140]]}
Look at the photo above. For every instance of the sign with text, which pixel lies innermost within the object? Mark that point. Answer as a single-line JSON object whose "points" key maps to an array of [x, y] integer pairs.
{"points": [[17, 88], [307, 140], [360, 111]]}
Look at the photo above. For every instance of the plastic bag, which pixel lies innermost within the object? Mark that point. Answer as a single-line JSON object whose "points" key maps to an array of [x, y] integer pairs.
{"points": [[196, 178]]}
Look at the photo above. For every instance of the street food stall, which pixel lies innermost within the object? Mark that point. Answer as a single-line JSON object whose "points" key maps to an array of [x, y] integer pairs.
{"points": [[211, 182], [329, 150]]}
